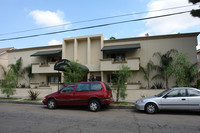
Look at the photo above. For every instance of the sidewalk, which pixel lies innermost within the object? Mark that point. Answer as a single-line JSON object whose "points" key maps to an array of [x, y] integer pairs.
{"points": [[20, 101]]}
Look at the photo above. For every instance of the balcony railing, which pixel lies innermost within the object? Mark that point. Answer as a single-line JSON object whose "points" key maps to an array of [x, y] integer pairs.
{"points": [[43, 68], [111, 65]]}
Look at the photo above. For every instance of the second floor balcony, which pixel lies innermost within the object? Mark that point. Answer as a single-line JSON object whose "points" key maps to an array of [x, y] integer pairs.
{"points": [[111, 64], [43, 67]]}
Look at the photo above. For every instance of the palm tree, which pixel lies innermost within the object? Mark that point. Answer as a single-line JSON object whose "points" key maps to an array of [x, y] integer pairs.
{"points": [[147, 71], [3, 69], [165, 62], [17, 66], [28, 70], [192, 72]]}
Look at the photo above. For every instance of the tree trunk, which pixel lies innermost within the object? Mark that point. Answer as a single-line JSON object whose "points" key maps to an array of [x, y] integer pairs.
{"points": [[167, 87], [117, 97]]}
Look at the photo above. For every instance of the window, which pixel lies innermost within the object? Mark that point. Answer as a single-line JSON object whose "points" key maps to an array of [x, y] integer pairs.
{"points": [[54, 79], [98, 78], [96, 86], [177, 93], [110, 77], [83, 87], [193, 93], [117, 57], [53, 58], [69, 88]]}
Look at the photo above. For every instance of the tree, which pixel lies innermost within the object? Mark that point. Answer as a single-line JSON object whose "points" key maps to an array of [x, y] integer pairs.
{"points": [[119, 81], [9, 83], [17, 66], [195, 13], [73, 73], [183, 70], [165, 61], [147, 71], [28, 70], [112, 38]]}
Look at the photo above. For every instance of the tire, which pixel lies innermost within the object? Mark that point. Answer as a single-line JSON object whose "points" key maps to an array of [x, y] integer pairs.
{"points": [[151, 108], [94, 105], [51, 104]]}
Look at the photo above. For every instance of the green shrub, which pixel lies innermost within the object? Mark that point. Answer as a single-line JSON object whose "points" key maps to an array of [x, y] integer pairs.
{"points": [[33, 94]]}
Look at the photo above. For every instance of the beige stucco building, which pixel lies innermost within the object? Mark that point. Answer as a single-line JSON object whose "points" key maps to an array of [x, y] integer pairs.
{"points": [[4, 61], [42, 60], [102, 57]]}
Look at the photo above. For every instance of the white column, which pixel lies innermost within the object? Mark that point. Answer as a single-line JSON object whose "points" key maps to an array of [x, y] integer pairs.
{"points": [[88, 76], [88, 51], [102, 38], [102, 77], [75, 49]]}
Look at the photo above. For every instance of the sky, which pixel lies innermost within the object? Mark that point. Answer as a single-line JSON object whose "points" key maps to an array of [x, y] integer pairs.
{"points": [[20, 15]]}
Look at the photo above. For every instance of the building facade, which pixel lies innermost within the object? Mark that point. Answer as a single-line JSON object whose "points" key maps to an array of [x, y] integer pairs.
{"points": [[103, 57], [42, 61]]}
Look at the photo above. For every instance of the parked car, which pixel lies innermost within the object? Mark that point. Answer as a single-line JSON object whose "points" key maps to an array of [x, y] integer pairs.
{"points": [[182, 98], [94, 94]]}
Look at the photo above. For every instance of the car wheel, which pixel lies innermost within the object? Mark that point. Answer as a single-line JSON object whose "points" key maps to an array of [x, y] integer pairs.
{"points": [[151, 108], [94, 105], [51, 104]]}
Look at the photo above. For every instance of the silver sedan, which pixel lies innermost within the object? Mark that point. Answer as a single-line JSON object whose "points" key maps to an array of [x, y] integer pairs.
{"points": [[182, 98]]}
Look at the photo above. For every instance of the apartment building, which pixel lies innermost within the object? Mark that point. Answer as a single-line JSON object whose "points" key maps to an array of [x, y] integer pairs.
{"points": [[42, 60], [103, 57]]}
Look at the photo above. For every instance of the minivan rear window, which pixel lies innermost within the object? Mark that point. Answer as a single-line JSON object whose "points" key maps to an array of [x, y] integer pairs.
{"points": [[96, 86], [107, 87]]}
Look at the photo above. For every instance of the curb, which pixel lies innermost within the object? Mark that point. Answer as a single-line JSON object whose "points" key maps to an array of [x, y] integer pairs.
{"points": [[40, 103], [21, 102]]}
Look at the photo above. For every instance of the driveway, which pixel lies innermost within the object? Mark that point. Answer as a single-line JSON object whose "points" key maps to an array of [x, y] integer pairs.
{"points": [[23, 118]]}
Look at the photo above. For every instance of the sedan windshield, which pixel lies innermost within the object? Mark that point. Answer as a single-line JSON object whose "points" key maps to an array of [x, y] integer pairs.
{"points": [[162, 93]]}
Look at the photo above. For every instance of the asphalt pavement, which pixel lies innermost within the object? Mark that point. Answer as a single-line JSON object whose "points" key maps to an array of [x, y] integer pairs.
{"points": [[29, 118]]}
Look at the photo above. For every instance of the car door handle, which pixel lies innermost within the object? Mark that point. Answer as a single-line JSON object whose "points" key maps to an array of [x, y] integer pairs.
{"points": [[183, 99]]}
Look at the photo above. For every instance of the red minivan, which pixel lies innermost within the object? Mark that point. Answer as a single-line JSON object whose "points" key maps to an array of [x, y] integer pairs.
{"points": [[94, 94]]}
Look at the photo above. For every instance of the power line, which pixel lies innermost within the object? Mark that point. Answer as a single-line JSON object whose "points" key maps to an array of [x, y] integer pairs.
{"points": [[90, 20], [94, 26]]}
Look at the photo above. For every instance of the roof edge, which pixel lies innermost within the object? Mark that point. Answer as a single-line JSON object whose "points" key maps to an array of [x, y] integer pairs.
{"points": [[34, 48], [155, 37]]}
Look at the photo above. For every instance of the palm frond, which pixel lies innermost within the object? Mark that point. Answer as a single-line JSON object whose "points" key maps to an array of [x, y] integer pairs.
{"points": [[3, 69], [158, 76]]}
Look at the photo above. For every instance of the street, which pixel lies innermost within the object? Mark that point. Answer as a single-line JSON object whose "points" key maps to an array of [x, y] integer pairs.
{"points": [[25, 118]]}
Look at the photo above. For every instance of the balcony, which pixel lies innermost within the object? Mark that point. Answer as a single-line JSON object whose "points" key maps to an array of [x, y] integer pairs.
{"points": [[43, 68], [111, 65]]}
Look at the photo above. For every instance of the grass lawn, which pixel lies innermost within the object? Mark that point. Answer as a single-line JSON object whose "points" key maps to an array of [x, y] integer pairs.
{"points": [[11, 98], [29, 100], [123, 103]]}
